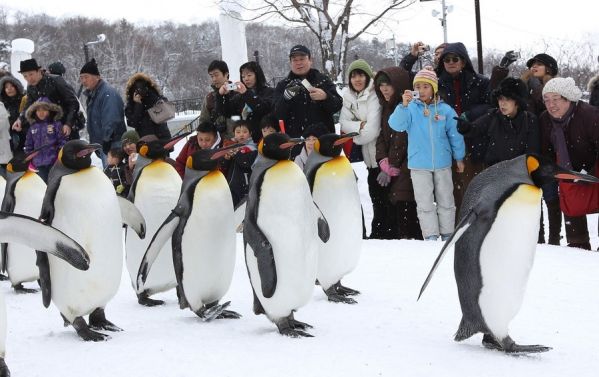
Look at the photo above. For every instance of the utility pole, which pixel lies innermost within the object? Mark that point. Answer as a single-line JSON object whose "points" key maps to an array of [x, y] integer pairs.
{"points": [[443, 18], [99, 39], [479, 38]]}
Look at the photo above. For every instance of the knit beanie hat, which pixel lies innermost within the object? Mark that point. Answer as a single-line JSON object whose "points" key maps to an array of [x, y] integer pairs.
{"points": [[427, 75], [565, 87], [362, 65], [130, 136], [90, 67]]}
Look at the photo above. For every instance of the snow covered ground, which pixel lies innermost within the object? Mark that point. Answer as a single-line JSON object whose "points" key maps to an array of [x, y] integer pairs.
{"points": [[388, 333]]}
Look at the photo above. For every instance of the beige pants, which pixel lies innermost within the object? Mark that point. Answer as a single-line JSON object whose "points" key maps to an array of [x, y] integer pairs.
{"points": [[433, 191]]}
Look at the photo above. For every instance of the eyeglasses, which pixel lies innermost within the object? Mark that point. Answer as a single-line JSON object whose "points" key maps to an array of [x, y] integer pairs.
{"points": [[451, 59], [552, 101]]}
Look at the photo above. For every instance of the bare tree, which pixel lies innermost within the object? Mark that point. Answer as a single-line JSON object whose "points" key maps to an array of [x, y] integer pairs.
{"points": [[328, 20]]}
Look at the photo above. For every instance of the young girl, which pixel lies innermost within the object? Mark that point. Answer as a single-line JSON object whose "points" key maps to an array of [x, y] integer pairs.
{"points": [[310, 135], [433, 140], [240, 161], [45, 130]]}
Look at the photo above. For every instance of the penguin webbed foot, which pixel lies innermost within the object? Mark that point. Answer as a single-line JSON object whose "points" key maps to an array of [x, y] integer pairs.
{"points": [[144, 300], [228, 314], [293, 328], [86, 333], [334, 296], [211, 311], [345, 291], [98, 321], [3, 277], [508, 346], [4, 371], [19, 289]]}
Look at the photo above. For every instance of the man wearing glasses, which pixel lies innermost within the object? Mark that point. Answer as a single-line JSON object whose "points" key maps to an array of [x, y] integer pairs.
{"points": [[468, 93]]}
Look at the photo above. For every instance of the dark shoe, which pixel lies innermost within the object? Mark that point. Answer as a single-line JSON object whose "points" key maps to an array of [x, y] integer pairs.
{"points": [[585, 245]]}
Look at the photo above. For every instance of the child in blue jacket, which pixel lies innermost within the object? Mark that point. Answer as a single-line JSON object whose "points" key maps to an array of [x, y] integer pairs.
{"points": [[433, 142]]}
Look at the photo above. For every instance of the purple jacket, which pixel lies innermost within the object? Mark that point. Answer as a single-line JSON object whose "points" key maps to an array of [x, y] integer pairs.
{"points": [[42, 133]]}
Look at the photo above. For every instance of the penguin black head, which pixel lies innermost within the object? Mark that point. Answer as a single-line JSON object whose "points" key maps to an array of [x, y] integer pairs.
{"points": [[542, 171], [152, 148], [207, 159], [21, 164], [277, 146], [76, 154], [330, 145]]}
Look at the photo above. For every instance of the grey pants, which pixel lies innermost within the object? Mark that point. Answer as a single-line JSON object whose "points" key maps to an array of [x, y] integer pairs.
{"points": [[432, 187]]}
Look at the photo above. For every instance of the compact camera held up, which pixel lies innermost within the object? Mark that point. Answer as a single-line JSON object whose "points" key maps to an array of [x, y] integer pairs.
{"points": [[415, 94], [231, 86]]}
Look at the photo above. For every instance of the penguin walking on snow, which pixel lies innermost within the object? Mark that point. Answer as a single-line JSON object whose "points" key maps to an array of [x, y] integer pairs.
{"points": [[335, 191], [202, 230], [24, 195], [495, 242], [155, 192], [280, 235], [80, 201], [34, 234]]}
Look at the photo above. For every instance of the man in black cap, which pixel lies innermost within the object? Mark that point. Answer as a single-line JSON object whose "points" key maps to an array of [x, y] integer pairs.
{"points": [[305, 97], [55, 89], [105, 110]]}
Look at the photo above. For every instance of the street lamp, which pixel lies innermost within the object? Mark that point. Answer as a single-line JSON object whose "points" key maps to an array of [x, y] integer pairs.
{"points": [[443, 18], [391, 48]]}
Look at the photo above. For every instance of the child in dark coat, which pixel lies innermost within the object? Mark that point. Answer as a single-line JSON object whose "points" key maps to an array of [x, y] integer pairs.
{"points": [[240, 161], [115, 171], [45, 130]]}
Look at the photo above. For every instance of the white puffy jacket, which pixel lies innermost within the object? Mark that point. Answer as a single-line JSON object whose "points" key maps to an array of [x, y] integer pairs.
{"points": [[362, 107]]}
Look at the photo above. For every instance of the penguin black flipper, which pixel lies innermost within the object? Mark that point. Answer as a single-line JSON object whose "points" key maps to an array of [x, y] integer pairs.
{"points": [[324, 233], [460, 229], [43, 264], [56, 173], [261, 246], [132, 217], [160, 238], [177, 239], [8, 206]]}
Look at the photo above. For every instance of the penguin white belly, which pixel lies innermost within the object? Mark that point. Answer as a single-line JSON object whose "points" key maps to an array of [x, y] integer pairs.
{"points": [[286, 215], [208, 243], [506, 257], [29, 195], [2, 325], [87, 209], [156, 194], [336, 193]]}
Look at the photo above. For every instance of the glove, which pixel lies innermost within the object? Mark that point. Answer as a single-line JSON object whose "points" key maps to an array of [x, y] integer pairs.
{"points": [[387, 168], [464, 125], [383, 179], [292, 89], [534, 83], [106, 146], [508, 59]]}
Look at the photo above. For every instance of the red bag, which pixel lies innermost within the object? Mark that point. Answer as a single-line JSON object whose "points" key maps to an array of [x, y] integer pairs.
{"points": [[579, 199]]}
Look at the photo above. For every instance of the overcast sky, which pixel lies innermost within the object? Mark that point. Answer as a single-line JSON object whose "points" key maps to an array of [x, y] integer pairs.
{"points": [[506, 24]]}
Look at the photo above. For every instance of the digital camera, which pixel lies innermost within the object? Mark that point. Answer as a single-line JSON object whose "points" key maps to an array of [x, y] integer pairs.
{"points": [[415, 94], [232, 86]]}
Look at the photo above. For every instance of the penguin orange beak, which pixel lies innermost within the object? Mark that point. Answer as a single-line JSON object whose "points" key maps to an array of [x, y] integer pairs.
{"points": [[291, 143], [218, 153], [345, 138], [171, 143], [88, 150]]}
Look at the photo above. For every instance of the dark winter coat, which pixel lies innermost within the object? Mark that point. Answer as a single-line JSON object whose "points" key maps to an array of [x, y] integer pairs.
{"points": [[508, 138], [391, 144], [13, 107], [593, 88], [57, 91], [222, 121], [581, 133], [474, 93], [117, 175], [239, 171], [252, 106], [105, 115], [301, 111], [137, 113], [45, 132]]}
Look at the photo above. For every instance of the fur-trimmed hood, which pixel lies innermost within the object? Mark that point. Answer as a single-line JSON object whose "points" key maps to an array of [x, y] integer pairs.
{"points": [[54, 109], [13, 80], [140, 76], [593, 83]]}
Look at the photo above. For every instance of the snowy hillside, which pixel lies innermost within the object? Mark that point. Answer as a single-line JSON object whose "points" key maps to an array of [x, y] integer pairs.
{"points": [[388, 333]]}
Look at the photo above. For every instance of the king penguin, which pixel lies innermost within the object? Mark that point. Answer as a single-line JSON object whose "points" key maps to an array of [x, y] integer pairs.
{"points": [[495, 241], [80, 201], [154, 191], [24, 195], [335, 191], [280, 234], [34, 234], [202, 230]]}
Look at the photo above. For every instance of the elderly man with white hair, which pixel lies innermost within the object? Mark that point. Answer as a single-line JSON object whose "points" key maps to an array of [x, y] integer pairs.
{"points": [[570, 133]]}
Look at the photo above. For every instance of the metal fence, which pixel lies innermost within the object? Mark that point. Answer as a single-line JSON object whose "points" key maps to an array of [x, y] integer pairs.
{"points": [[188, 104]]}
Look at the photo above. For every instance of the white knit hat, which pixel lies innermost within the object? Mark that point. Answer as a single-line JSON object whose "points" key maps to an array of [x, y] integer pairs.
{"points": [[564, 86]]}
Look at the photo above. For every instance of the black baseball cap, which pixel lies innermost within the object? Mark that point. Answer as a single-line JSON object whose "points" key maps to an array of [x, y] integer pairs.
{"points": [[299, 50]]}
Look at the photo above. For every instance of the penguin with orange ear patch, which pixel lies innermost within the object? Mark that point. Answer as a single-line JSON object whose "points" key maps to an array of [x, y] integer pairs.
{"points": [[495, 242], [335, 191]]}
